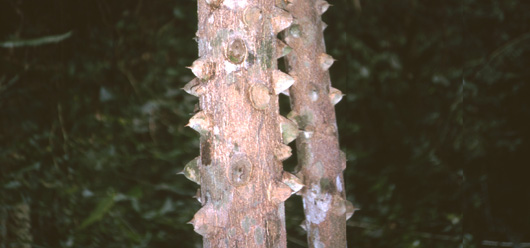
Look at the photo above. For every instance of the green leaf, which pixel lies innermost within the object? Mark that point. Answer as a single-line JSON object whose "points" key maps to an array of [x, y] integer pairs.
{"points": [[101, 209]]}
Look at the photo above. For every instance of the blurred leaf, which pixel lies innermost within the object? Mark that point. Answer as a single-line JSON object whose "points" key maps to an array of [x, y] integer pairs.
{"points": [[37, 41], [101, 209], [12, 185]]}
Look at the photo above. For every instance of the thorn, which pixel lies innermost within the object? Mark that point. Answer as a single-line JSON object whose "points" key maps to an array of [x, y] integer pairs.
{"points": [[281, 20], [350, 209], [289, 130], [281, 192], [208, 220], [282, 152], [322, 6], [282, 81], [335, 96], [191, 171], [202, 69], [325, 61], [282, 49], [200, 122], [305, 120], [295, 31], [194, 87], [324, 26], [292, 181], [198, 196]]}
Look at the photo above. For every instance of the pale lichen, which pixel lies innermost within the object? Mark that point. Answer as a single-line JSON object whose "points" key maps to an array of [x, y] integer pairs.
{"points": [[232, 4], [315, 237], [316, 204], [338, 183], [229, 67]]}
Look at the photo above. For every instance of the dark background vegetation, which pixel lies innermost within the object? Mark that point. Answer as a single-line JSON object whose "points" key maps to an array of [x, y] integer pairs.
{"points": [[435, 121]]}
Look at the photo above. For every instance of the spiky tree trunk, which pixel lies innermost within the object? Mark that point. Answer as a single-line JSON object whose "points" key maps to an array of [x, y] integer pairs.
{"points": [[243, 185], [312, 101]]}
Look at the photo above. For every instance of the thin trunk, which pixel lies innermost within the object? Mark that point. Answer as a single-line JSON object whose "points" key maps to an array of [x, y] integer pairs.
{"points": [[19, 226], [312, 101], [243, 186], [3, 227]]}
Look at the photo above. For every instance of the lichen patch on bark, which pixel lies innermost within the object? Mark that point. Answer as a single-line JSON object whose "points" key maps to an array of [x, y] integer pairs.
{"points": [[233, 4], [316, 204]]}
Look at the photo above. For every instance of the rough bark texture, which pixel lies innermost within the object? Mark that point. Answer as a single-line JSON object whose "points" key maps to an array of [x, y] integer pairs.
{"points": [[312, 100], [239, 167]]}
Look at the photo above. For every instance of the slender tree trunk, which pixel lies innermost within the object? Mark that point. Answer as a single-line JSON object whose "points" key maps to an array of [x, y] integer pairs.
{"points": [[16, 226], [243, 186], [312, 101], [3, 227]]}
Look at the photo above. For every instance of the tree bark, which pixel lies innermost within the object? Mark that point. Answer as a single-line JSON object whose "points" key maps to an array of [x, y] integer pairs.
{"points": [[243, 186], [312, 101]]}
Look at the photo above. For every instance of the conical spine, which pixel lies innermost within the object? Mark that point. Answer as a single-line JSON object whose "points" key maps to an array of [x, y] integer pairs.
{"points": [[192, 171]]}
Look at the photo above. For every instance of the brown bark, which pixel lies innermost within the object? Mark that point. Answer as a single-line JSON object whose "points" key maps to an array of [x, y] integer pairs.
{"points": [[312, 101], [243, 185]]}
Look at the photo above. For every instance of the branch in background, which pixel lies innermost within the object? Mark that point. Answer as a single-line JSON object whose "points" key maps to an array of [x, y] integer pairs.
{"points": [[440, 236], [3, 87], [357, 4], [63, 129], [419, 234], [130, 77], [503, 244]]}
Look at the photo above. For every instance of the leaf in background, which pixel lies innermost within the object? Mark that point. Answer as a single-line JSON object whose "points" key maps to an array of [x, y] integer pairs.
{"points": [[167, 207], [102, 208], [12, 185], [37, 41]]}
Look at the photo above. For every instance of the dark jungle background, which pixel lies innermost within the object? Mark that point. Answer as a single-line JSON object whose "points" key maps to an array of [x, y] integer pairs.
{"points": [[435, 121]]}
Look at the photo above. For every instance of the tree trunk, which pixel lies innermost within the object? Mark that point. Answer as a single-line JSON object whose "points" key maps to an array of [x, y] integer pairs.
{"points": [[3, 227], [241, 149], [16, 226], [312, 101]]}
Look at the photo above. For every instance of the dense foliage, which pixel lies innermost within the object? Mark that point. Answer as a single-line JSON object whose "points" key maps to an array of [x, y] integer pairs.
{"points": [[434, 122]]}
